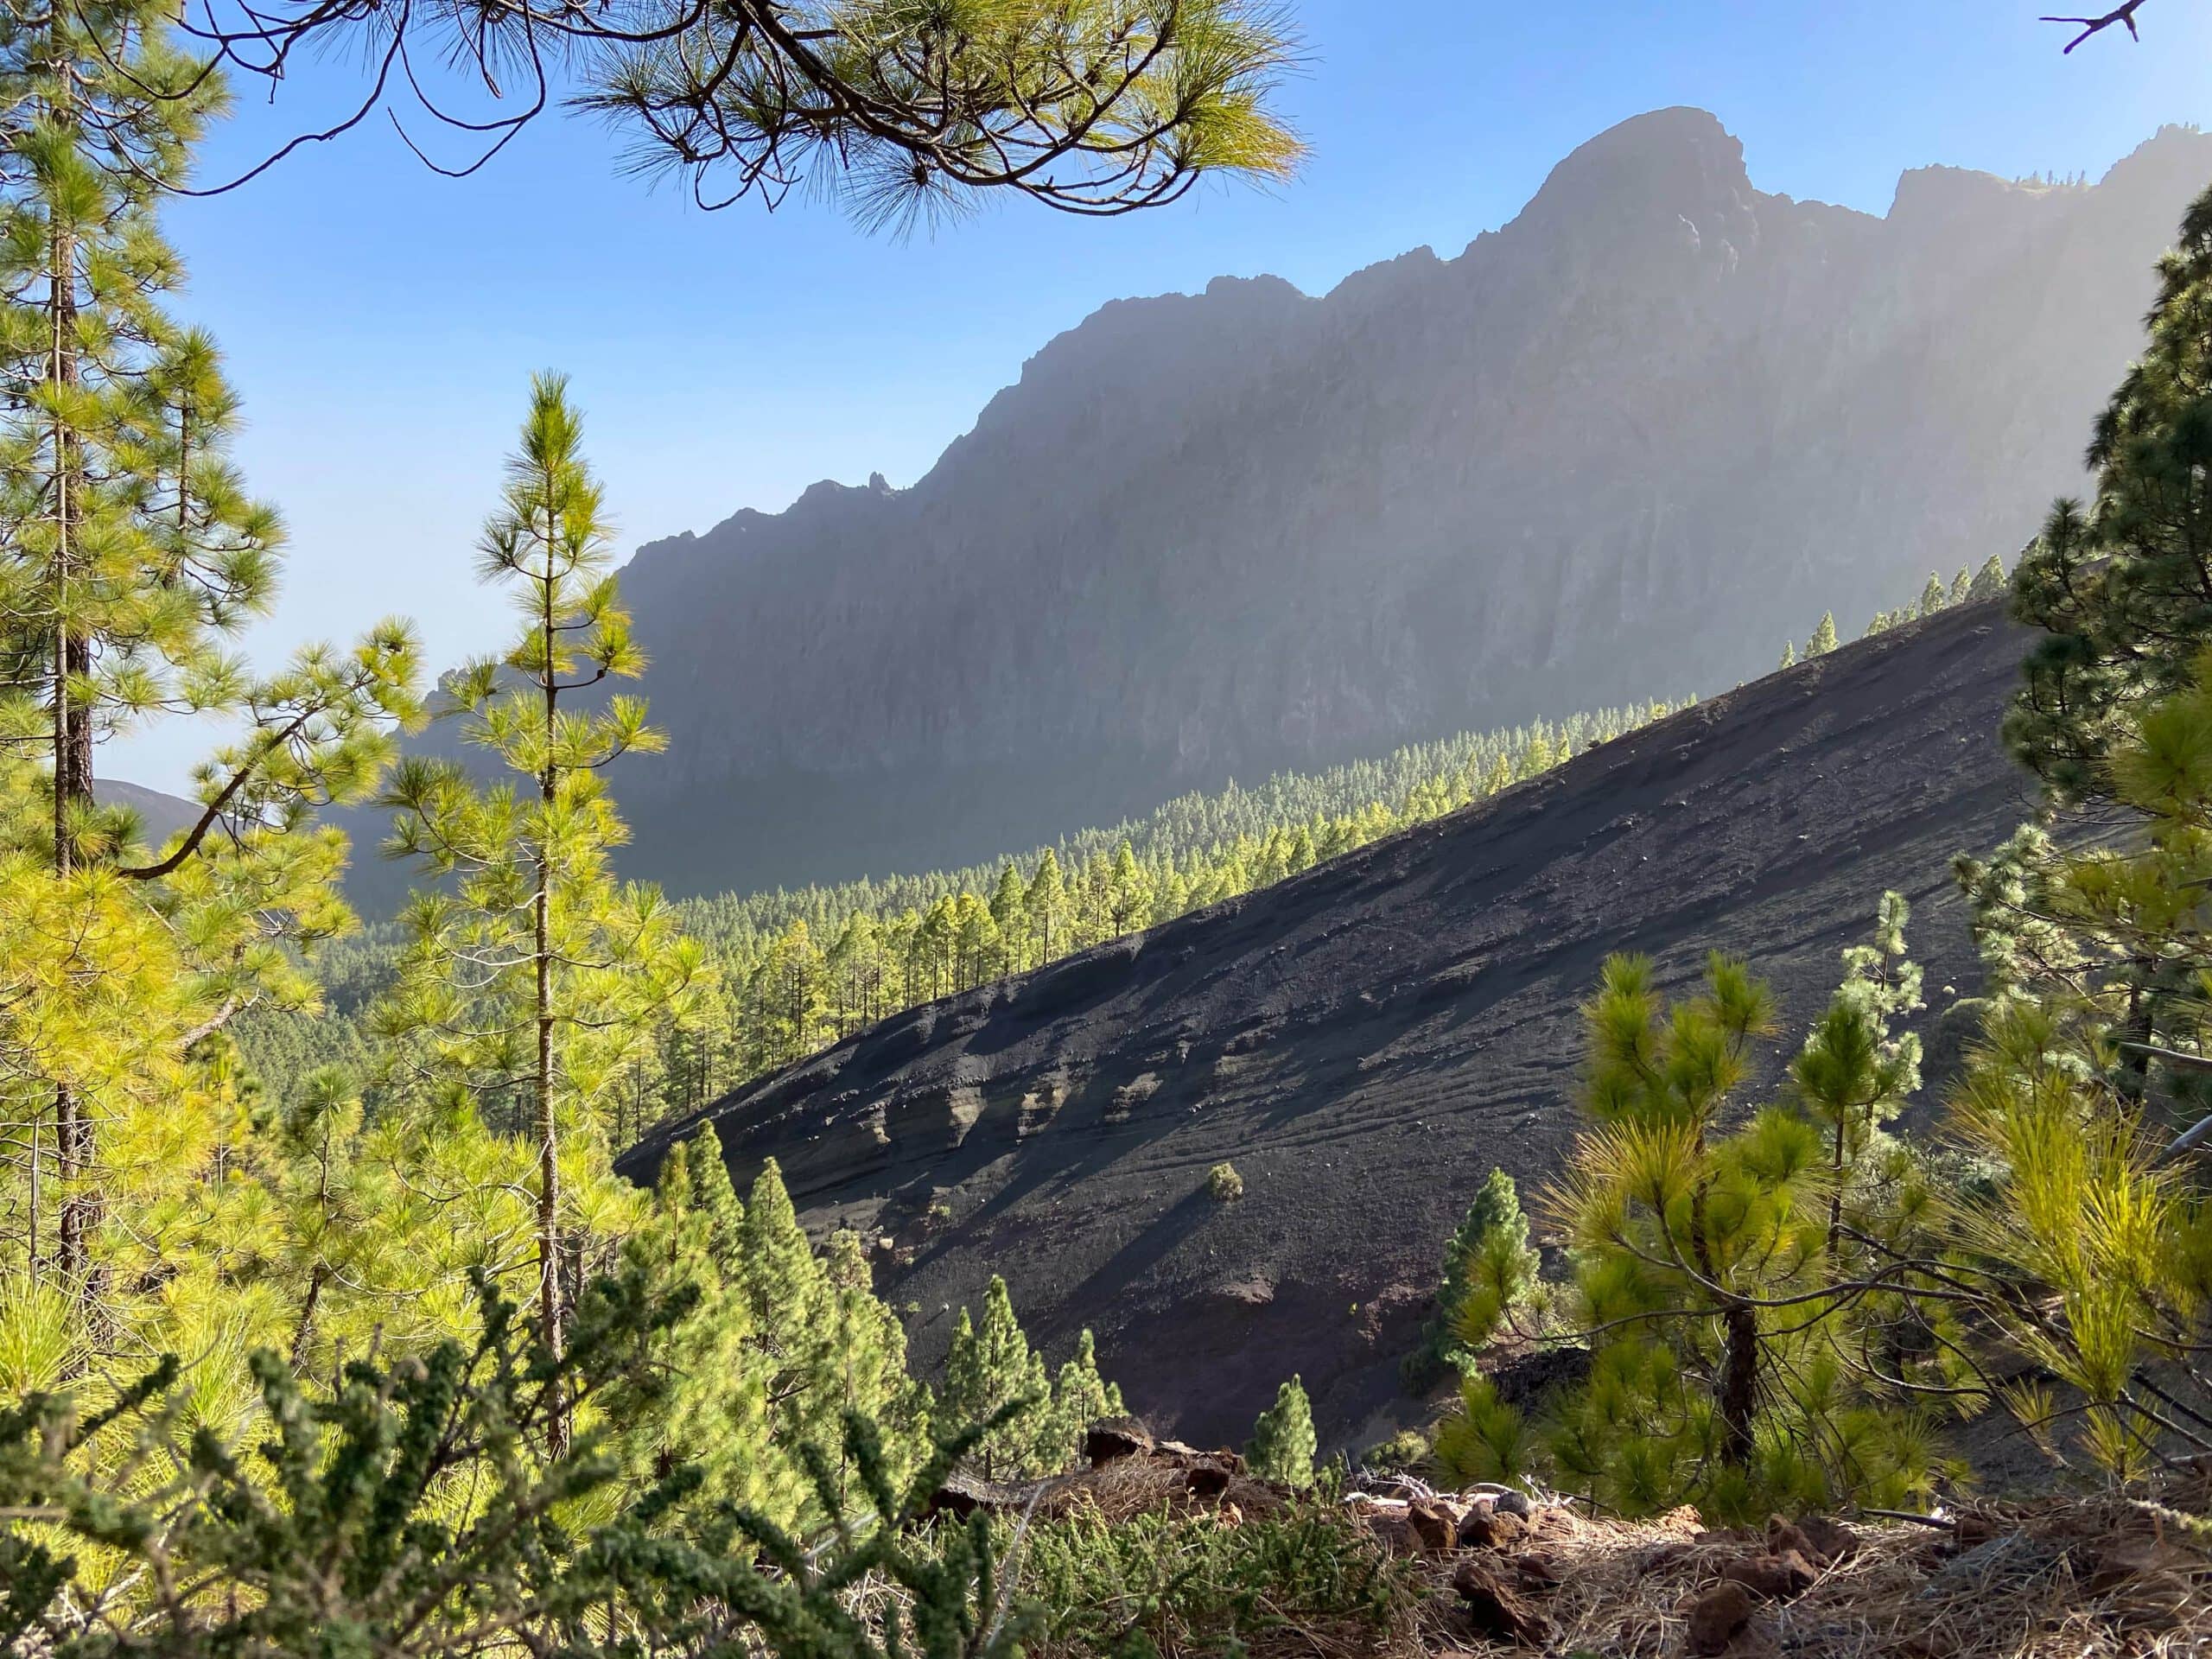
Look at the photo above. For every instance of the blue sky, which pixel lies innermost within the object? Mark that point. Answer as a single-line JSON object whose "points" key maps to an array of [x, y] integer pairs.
{"points": [[381, 321]]}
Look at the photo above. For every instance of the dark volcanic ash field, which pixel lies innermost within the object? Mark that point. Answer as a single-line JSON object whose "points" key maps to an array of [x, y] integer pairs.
{"points": [[1366, 1040]]}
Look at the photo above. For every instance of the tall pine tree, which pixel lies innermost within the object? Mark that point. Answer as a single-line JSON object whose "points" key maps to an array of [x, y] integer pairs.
{"points": [[129, 552], [530, 977], [988, 1368]]}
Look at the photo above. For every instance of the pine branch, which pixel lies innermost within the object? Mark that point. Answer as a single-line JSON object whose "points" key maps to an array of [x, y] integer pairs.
{"points": [[2123, 15]]}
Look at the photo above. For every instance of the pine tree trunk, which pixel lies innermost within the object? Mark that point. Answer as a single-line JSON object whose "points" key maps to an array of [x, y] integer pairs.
{"points": [[1740, 1358], [549, 1166], [72, 733], [1740, 1379], [2134, 1079], [1835, 1189]]}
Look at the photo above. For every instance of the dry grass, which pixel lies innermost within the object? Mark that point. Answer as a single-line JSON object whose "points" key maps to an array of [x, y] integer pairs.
{"points": [[1189, 1548], [1128, 1487], [2081, 1578]]}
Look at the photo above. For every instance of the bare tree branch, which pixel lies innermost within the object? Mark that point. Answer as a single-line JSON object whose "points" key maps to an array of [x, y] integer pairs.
{"points": [[2123, 15]]}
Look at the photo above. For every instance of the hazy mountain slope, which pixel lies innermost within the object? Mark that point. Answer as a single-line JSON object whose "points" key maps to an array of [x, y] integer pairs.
{"points": [[1365, 1040], [1623, 445]]}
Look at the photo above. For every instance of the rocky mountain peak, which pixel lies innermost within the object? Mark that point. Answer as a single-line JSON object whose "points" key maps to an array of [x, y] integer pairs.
{"points": [[1213, 535], [1657, 169]]}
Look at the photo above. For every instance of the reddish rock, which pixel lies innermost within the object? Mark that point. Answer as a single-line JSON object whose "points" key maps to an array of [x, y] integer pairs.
{"points": [[1552, 1523], [1716, 1616], [1112, 1439], [1969, 1530], [1782, 1534], [1831, 1540], [1435, 1528], [964, 1492], [1485, 1528], [1780, 1575], [1392, 1531], [1177, 1452], [1497, 1609]]}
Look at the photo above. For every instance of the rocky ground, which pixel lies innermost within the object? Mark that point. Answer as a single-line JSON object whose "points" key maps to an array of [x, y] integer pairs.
{"points": [[1498, 1568], [1363, 1042]]}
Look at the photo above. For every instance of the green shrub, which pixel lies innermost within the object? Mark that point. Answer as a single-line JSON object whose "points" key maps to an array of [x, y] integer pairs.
{"points": [[1489, 1271], [416, 1510], [1224, 1183], [1281, 1449], [1190, 1584], [1406, 1451], [1483, 1438]]}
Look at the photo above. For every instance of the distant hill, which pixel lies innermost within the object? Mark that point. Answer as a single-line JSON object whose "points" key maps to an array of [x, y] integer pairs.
{"points": [[1365, 1040], [1623, 445]]}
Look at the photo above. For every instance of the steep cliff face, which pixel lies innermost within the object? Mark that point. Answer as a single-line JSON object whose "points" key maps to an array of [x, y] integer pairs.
{"points": [[1621, 447]]}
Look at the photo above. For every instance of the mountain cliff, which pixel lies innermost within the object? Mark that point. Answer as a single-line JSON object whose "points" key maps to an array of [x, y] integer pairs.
{"points": [[1623, 447], [1365, 1040]]}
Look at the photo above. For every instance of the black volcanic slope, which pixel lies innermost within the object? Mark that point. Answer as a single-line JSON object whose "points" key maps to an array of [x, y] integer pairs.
{"points": [[1365, 1040]]}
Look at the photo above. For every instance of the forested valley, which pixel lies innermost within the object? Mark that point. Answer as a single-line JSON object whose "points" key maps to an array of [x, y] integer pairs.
{"points": [[796, 970], [328, 1326]]}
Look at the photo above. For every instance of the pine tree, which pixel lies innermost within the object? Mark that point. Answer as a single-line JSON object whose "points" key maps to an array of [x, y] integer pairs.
{"points": [[856, 968], [1990, 582], [1823, 640], [529, 974], [1281, 1448], [791, 997], [1047, 905], [1854, 1073], [976, 948], [132, 551], [713, 1196], [1932, 596], [1080, 1397], [1489, 1270], [988, 1368], [717, 1413], [1962, 586], [1788, 654], [2120, 586], [1730, 1313], [2120, 590], [789, 1296], [1009, 912], [865, 1371], [1129, 894], [2093, 1244]]}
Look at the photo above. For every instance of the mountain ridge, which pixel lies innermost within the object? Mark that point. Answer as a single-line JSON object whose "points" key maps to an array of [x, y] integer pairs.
{"points": [[1658, 421]]}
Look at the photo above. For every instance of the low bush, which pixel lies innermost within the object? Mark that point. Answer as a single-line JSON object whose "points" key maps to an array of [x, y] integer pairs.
{"points": [[1304, 1577], [419, 1512]]}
